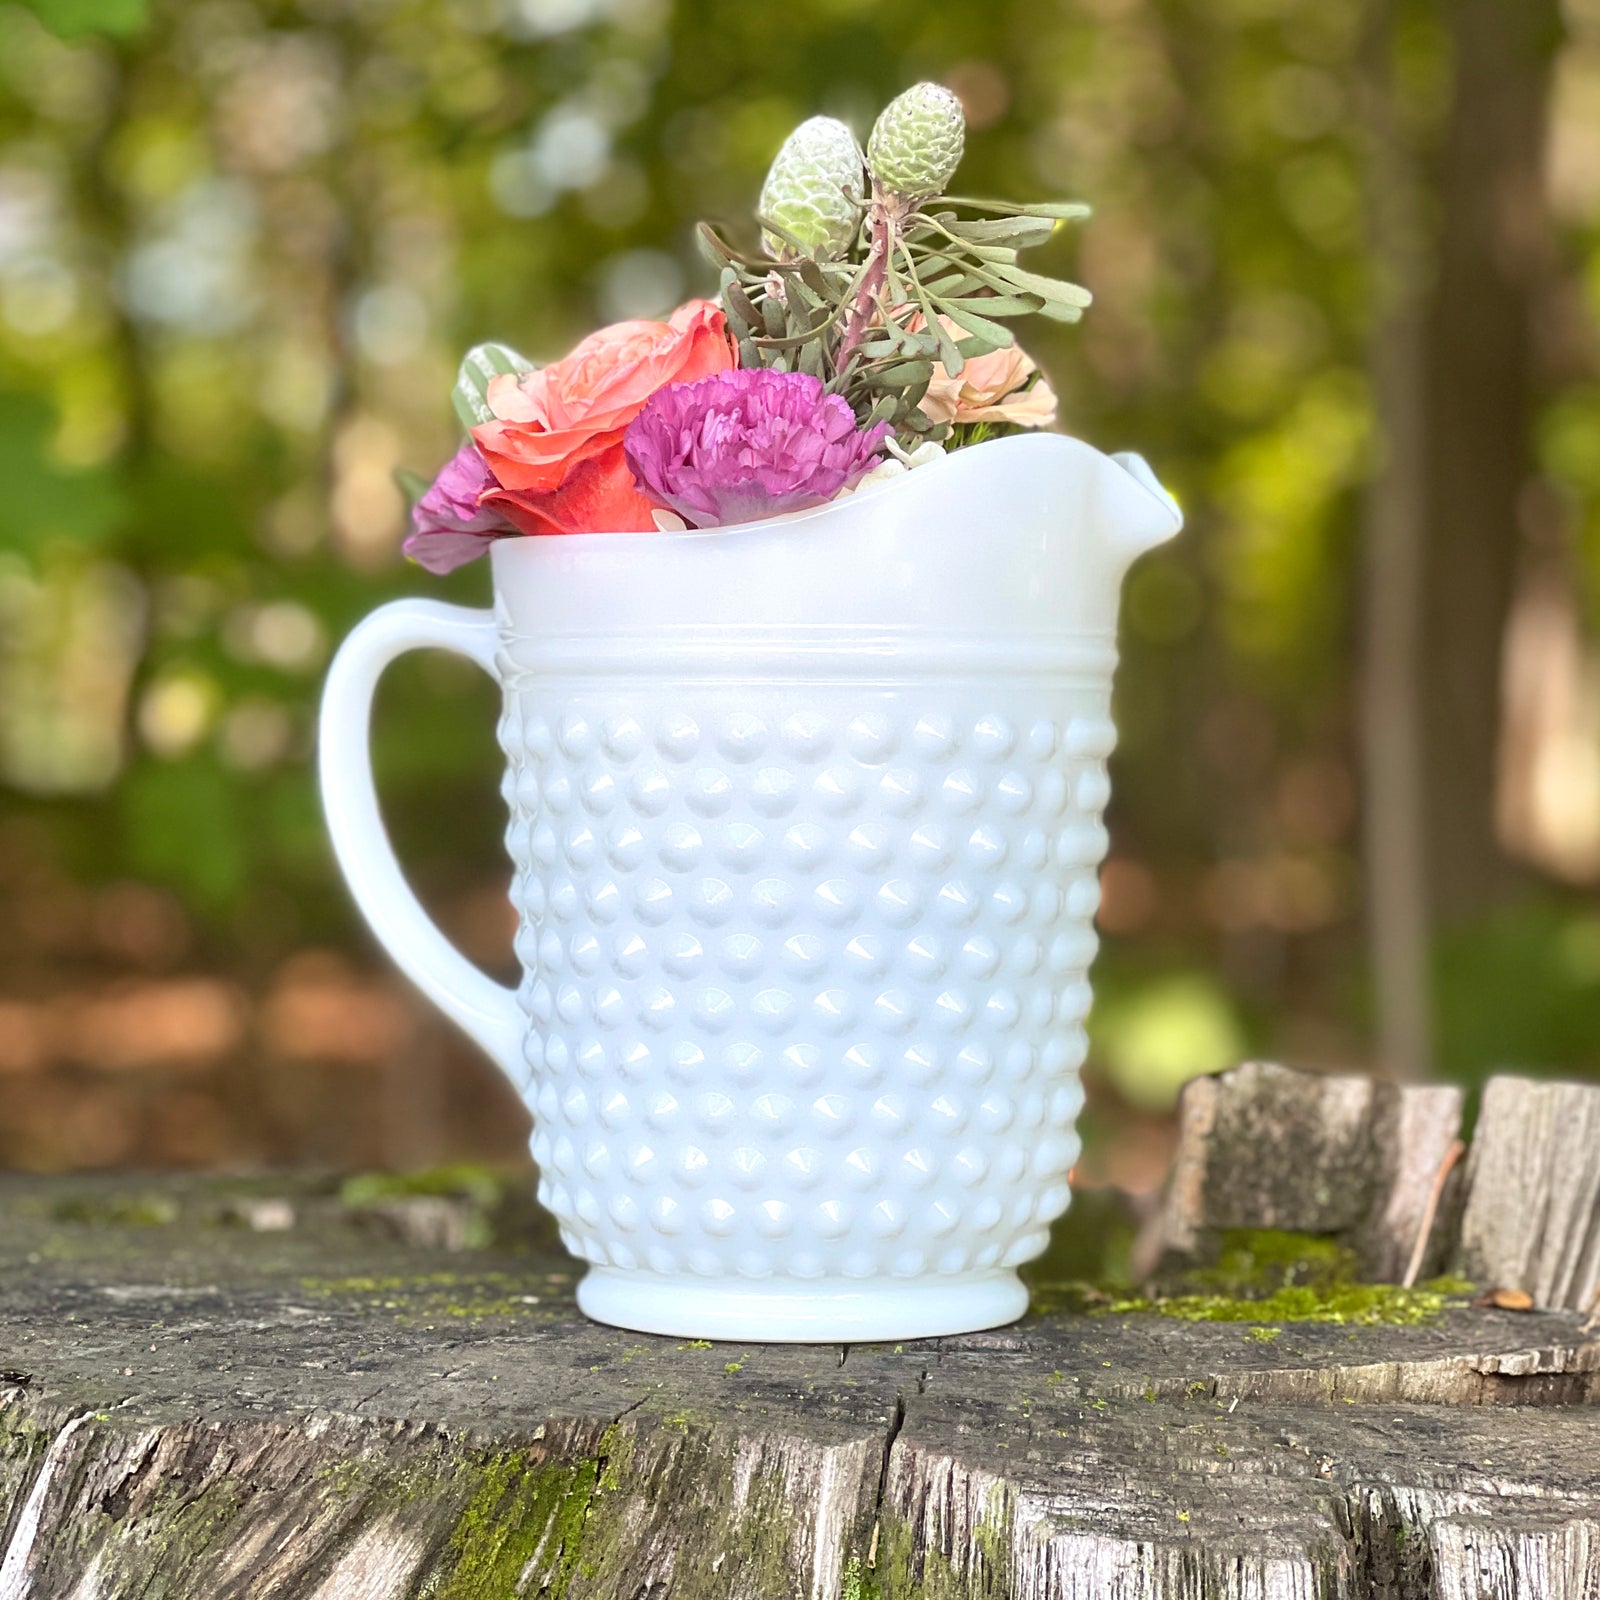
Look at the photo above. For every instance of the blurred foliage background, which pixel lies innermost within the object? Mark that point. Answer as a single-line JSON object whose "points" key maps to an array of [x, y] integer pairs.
{"points": [[1347, 267]]}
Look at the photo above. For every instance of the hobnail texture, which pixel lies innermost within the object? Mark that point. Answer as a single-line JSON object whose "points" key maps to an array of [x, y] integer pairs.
{"points": [[805, 971], [805, 817]]}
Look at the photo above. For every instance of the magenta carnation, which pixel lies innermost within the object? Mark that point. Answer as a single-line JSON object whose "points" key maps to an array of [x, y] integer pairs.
{"points": [[449, 524], [738, 446]]}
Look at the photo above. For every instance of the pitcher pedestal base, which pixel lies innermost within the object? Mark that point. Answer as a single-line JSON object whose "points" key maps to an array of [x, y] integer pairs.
{"points": [[823, 1311]]}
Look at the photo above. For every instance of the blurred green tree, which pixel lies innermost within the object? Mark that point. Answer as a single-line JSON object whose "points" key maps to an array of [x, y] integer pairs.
{"points": [[242, 243]]}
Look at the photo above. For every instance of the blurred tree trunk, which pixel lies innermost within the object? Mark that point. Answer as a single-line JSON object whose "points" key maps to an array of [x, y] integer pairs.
{"points": [[1477, 396], [1453, 380], [1394, 857]]}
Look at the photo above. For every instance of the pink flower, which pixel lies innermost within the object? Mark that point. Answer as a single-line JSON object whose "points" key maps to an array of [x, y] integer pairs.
{"points": [[450, 524], [991, 388], [739, 446]]}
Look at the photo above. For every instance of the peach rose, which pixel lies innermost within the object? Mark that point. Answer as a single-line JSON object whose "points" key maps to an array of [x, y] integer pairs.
{"points": [[555, 445], [990, 390]]}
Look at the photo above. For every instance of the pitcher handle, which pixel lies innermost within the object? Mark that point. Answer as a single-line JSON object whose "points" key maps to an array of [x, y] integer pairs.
{"points": [[487, 1011]]}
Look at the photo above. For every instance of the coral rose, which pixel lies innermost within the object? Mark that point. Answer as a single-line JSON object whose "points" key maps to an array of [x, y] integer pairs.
{"points": [[990, 389], [555, 445]]}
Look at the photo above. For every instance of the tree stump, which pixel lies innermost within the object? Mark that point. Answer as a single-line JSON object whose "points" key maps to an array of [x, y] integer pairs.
{"points": [[224, 1389]]}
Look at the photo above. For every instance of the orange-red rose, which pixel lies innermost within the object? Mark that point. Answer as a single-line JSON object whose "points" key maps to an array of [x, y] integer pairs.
{"points": [[555, 445]]}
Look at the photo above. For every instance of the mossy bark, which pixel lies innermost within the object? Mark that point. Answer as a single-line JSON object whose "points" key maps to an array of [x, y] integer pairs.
{"points": [[339, 1411]]}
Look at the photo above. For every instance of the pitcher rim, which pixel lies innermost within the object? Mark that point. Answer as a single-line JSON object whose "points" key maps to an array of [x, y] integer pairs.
{"points": [[523, 547]]}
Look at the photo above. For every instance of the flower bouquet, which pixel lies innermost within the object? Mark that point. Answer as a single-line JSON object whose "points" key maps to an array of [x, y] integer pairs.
{"points": [[806, 716], [867, 338]]}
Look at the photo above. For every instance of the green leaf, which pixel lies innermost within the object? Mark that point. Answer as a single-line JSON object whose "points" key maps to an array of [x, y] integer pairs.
{"points": [[712, 248], [1020, 232], [799, 322], [1059, 300], [889, 338], [972, 348], [740, 307], [798, 245], [480, 364], [1056, 290], [1063, 301], [996, 305], [1061, 210], [799, 293], [954, 283], [76, 19], [950, 357], [992, 254], [816, 281], [901, 374], [991, 333]]}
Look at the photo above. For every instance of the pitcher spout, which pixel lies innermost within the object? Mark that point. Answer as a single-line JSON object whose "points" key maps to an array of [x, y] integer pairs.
{"points": [[1142, 514]]}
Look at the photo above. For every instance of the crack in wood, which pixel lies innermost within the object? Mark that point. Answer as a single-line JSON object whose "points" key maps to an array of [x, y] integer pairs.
{"points": [[355, 1410]]}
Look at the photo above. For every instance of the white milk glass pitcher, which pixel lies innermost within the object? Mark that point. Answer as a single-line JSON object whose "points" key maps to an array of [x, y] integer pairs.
{"points": [[805, 817]]}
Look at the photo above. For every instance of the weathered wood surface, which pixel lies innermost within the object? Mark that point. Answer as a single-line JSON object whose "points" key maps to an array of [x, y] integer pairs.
{"points": [[1265, 1147], [199, 1401], [1532, 1211]]}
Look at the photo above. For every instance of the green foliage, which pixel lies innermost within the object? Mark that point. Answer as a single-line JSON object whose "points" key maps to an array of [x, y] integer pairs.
{"points": [[858, 289], [44, 500], [184, 824], [251, 240], [1519, 991], [1153, 1037], [77, 19]]}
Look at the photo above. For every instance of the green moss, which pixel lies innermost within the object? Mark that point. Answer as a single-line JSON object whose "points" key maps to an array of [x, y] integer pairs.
{"points": [[857, 1582], [1263, 1335], [433, 1295], [117, 1210], [515, 1509], [1265, 1276], [479, 1189], [1362, 1304], [898, 1575], [616, 1454], [344, 1478], [686, 1419], [463, 1181]]}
